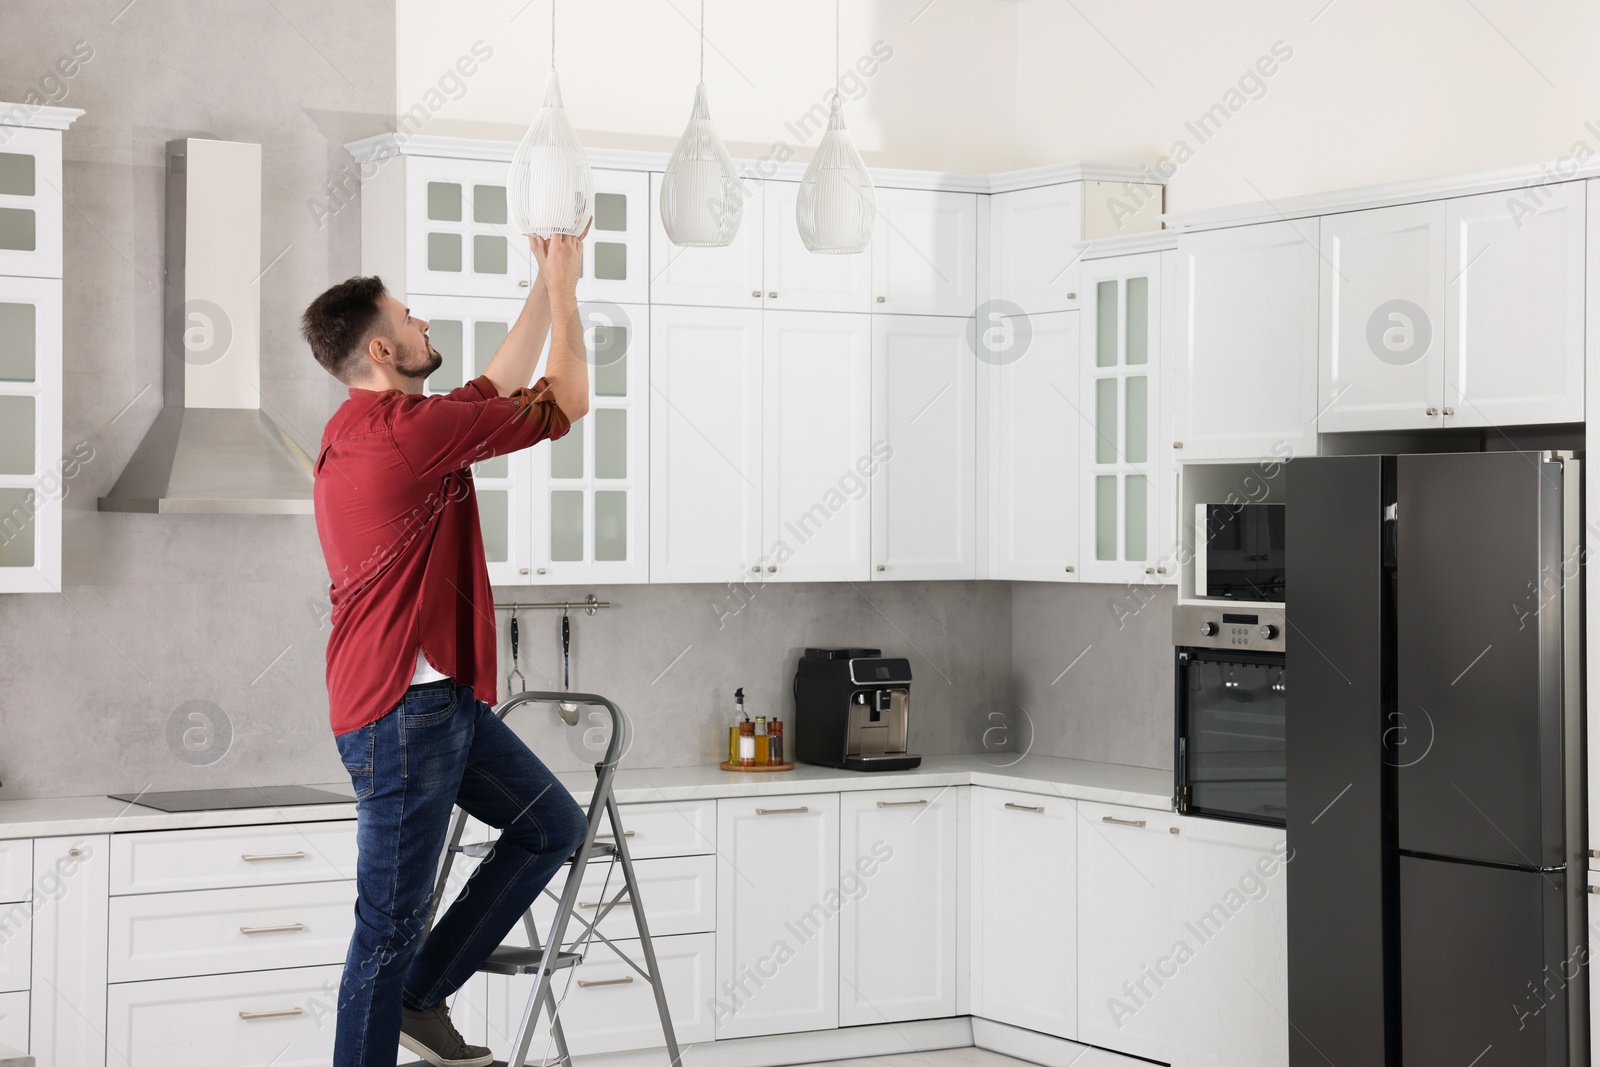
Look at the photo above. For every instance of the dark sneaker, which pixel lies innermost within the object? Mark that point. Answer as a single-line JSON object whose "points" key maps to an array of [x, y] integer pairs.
{"points": [[431, 1035]]}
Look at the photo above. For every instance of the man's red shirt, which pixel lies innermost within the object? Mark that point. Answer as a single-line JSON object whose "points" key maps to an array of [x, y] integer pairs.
{"points": [[398, 520]]}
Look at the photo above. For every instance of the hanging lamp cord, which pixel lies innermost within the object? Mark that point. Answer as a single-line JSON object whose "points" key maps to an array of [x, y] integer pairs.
{"points": [[702, 42], [552, 34], [838, 98]]}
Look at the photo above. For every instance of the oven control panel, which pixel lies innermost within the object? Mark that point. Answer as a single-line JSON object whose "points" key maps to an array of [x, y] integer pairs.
{"points": [[1235, 627]]}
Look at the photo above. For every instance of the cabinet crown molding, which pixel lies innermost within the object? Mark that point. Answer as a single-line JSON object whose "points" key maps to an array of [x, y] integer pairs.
{"points": [[37, 116]]}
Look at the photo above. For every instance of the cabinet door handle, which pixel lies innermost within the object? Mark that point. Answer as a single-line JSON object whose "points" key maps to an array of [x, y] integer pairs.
{"points": [[248, 858], [612, 837], [1594, 853], [286, 928], [1449, 411], [901, 803], [1149, 570], [756, 293], [522, 570], [1161, 570], [591, 904], [280, 1013], [1177, 444], [1595, 889], [772, 296], [626, 979], [541, 570], [1071, 568], [1139, 823], [756, 569], [1025, 807], [882, 299], [523, 283], [881, 567], [74, 852], [1072, 296], [1433, 411], [772, 568], [782, 811]]}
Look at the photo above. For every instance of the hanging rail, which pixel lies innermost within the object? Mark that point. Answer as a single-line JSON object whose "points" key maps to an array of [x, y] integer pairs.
{"points": [[588, 604]]}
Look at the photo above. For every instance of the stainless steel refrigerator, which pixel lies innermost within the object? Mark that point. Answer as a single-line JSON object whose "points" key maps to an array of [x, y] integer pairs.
{"points": [[1434, 766]]}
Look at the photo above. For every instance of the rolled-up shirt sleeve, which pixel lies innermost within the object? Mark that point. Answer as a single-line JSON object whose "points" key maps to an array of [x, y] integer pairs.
{"points": [[439, 434]]}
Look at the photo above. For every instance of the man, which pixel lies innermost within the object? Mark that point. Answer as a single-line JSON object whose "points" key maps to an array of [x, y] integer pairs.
{"points": [[412, 659]]}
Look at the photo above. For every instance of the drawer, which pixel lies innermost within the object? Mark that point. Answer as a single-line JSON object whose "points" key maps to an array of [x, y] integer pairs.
{"points": [[168, 860], [16, 946], [654, 830], [276, 1018], [680, 897], [608, 1006], [16, 870], [13, 1021], [217, 931]]}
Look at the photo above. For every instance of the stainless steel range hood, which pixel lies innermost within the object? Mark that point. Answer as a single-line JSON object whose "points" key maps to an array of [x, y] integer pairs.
{"points": [[212, 450]]}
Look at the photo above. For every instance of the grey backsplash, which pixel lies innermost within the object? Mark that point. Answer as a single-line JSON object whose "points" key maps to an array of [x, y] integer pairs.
{"points": [[187, 651]]}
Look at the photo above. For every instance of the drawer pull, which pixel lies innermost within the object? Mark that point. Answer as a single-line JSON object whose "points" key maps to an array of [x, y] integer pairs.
{"points": [[280, 1013], [286, 928], [782, 811], [624, 980], [258, 858], [1025, 807], [1139, 823], [606, 837], [901, 803], [1595, 889], [599, 903], [74, 852]]}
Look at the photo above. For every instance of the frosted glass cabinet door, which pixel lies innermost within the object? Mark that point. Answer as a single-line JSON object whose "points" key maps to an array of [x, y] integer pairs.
{"points": [[705, 451], [591, 488], [1125, 517], [1382, 319], [924, 252], [466, 331], [616, 254], [1514, 305], [1036, 435], [708, 277], [30, 202], [924, 491], [35, 475], [816, 427], [800, 280], [460, 239]]}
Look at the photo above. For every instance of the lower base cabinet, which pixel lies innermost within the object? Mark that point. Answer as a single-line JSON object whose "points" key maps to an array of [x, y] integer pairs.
{"points": [[1232, 953], [257, 1019], [1025, 913], [14, 1021]]}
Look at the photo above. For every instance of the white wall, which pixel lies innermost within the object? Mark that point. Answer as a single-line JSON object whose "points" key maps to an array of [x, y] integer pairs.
{"points": [[945, 100]]}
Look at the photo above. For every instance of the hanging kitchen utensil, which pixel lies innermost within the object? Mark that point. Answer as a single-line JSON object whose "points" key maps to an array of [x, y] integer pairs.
{"points": [[569, 712], [521, 684]]}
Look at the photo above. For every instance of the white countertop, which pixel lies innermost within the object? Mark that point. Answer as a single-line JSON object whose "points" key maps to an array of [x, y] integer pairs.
{"points": [[1111, 783]]}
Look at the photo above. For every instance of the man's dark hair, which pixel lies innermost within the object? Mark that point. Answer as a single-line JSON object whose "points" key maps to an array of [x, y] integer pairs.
{"points": [[340, 321]]}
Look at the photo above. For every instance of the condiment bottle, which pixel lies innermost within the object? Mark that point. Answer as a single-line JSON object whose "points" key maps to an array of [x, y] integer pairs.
{"points": [[747, 743], [761, 741], [775, 741], [733, 729]]}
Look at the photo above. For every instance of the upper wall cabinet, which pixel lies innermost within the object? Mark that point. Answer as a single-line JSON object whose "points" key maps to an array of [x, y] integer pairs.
{"points": [[1465, 312], [710, 277], [1244, 349], [459, 238], [30, 200], [1032, 233], [1127, 525], [798, 279], [616, 254], [924, 252]]}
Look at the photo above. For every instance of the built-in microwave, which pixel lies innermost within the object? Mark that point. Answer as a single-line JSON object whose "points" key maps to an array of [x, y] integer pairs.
{"points": [[1231, 702], [1239, 552]]}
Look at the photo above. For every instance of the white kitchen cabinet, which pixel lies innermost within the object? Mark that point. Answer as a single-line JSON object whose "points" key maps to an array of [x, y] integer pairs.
{"points": [[589, 490], [1382, 316], [34, 472], [16, 949], [706, 444], [816, 449], [1233, 978], [1514, 307], [924, 252], [30, 192], [168, 861], [778, 901], [454, 219], [1032, 260], [1036, 434], [1245, 346], [1127, 886], [1126, 523], [924, 491], [1025, 911], [16, 870], [798, 279], [616, 254], [69, 952], [1592, 913], [709, 277], [897, 930], [14, 1021]]}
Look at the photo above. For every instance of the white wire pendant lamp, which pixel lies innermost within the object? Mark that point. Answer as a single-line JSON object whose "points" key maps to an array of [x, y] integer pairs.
{"points": [[552, 187], [838, 206], [701, 200]]}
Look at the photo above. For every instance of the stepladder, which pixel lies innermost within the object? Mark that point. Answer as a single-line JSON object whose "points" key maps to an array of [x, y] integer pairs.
{"points": [[601, 868]]}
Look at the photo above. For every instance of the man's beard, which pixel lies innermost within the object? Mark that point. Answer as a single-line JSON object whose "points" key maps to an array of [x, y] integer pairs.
{"points": [[422, 366]]}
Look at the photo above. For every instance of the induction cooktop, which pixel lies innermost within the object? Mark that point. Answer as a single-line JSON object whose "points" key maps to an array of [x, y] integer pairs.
{"points": [[257, 796]]}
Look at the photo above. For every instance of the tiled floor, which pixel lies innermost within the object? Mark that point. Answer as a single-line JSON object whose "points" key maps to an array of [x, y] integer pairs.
{"points": [[944, 1057]]}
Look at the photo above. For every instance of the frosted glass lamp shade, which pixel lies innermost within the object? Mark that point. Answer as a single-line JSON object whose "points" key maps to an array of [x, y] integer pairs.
{"points": [[701, 198], [838, 206], [552, 187]]}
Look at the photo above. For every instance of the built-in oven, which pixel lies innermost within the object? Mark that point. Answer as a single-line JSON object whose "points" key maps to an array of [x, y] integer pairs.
{"points": [[1231, 699]]}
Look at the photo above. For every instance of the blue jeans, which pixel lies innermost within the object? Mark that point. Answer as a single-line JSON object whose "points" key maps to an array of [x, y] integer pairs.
{"points": [[438, 748]]}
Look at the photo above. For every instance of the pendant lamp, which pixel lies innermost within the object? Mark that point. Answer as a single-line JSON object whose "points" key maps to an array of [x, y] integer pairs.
{"points": [[838, 206], [552, 187], [701, 199]]}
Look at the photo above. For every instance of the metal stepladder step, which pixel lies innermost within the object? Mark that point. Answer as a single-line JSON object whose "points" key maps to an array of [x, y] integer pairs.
{"points": [[513, 960]]}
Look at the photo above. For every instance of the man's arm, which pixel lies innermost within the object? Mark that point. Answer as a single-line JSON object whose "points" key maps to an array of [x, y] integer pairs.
{"points": [[567, 372], [518, 355]]}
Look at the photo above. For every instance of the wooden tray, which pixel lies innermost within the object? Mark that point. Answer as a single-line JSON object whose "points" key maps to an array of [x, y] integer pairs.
{"points": [[725, 765]]}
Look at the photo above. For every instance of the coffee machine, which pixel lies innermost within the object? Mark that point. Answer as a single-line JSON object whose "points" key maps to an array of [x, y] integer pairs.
{"points": [[851, 707]]}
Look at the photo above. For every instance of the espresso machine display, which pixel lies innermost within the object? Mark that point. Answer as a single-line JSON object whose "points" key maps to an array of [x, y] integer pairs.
{"points": [[851, 709]]}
